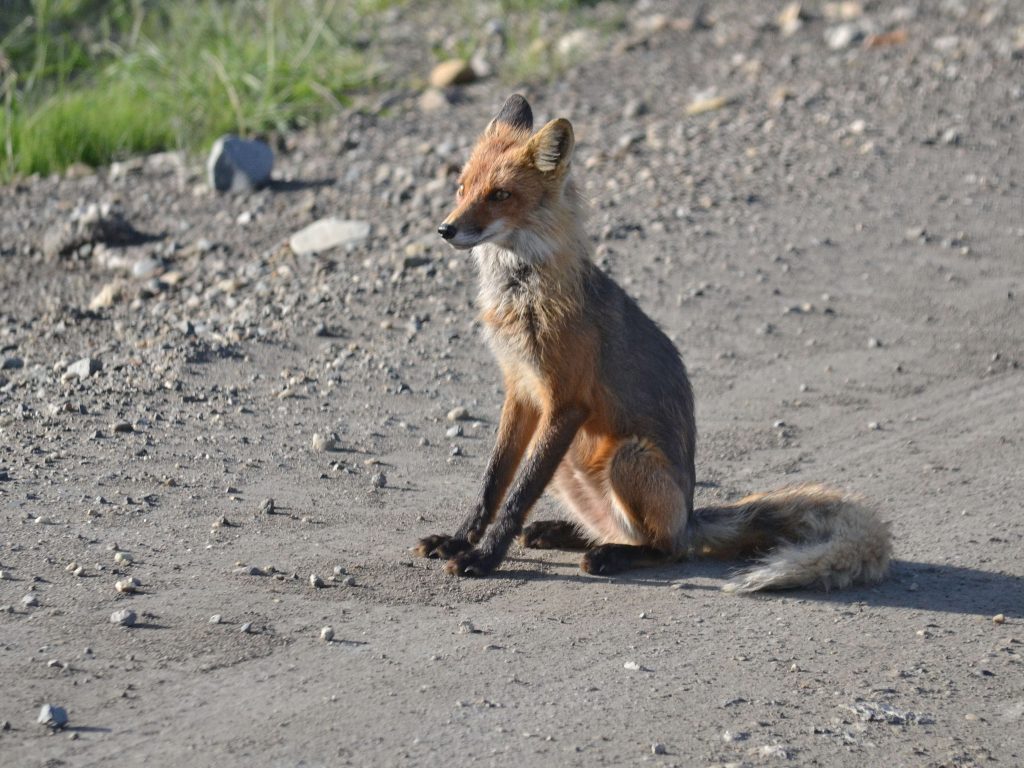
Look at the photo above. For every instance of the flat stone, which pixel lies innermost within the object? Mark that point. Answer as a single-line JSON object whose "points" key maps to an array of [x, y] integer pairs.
{"points": [[84, 368], [325, 234], [239, 165]]}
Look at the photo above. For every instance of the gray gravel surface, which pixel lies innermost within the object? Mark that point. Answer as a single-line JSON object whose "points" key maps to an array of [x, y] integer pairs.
{"points": [[832, 234]]}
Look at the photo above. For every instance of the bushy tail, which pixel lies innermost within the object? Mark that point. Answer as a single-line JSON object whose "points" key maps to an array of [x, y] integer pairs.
{"points": [[806, 535]]}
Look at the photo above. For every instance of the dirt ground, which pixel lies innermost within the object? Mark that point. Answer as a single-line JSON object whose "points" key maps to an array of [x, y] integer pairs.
{"points": [[838, 251]]}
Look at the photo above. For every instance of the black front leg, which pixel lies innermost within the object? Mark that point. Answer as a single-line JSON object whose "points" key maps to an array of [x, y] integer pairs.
{"points": [[517, 425], [557, 433]]}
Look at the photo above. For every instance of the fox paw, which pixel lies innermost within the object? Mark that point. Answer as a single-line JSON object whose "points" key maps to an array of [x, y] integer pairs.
{"points": [[440, 546], [470, 563], [552, 534]]}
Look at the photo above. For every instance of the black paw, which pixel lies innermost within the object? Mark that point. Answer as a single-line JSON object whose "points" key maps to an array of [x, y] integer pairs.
{"points": [[470, 563], [441, 546], [607, 559], [552, 534]]}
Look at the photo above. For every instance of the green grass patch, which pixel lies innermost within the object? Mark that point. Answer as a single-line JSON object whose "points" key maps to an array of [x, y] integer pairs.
{"points": [[96, 80]]}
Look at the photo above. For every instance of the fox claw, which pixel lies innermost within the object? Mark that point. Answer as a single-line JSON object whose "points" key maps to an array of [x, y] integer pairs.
{"points": [[472, 563], [440, 546]]}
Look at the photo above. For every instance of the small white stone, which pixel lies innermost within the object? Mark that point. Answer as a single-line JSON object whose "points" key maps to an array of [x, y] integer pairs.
{"points": [[315, 581], [327, 634], [215, 619], [125, 617]]}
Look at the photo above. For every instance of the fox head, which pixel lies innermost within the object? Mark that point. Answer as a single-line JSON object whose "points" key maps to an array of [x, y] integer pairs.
{"points": [[511, 192]]}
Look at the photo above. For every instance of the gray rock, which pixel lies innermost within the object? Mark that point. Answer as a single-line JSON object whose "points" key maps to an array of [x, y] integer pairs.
{"points": [[52, 717], [325, 234], [84, 368], [238, 165], [30, 600], [12, 364], [125, 617]]}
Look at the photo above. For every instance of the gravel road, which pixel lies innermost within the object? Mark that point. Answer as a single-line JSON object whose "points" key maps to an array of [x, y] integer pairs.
{"points": [[823, 210]]}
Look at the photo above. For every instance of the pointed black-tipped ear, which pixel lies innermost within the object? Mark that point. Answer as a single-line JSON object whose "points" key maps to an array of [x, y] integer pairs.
{"points": [[552, 146], [515, 112]]}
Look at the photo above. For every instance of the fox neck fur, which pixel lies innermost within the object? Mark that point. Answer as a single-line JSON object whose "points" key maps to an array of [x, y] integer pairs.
{"points": [[533, 282]]}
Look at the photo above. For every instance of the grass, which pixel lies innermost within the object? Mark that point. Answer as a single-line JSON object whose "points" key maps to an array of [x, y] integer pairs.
{"points": [[91, 81]]}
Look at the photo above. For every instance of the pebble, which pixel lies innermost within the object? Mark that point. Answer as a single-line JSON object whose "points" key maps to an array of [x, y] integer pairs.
{"points": [[125, 617], [433, 100], [379, 480], [315, 581], [874, 343], [128, 586], [122, 428], [323, 235], [466, 627], [874, 425], [83, 368], [267, 507], [327, 634], [657, 748], [459, 413], [999, 618], [145, 267], [246, 628], [339, 570], [30, 601], [12, 364], [578, 42], [122, 558], [452, 72], [215, 619], [238, 165], [710, 104], [842, 36], [454, 431], [52, 717], [349, 581], [322, 443], [632, 666]]}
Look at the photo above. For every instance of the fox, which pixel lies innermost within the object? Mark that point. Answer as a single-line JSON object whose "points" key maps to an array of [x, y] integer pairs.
{"points": [[598, 407]]}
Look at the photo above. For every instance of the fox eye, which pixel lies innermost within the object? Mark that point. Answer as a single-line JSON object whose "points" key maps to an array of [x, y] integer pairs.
{"points": [[460, 190], [498, 195]]}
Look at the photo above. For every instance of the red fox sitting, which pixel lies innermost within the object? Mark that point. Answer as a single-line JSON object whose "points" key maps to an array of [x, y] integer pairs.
{"points": [[598, 405]]}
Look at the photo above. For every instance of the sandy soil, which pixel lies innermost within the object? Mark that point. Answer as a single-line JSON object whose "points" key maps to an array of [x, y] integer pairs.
{"points": [[839, 254]]}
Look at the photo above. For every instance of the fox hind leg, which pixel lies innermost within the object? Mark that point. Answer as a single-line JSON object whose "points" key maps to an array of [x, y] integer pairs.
{"points": [[651, 507]]}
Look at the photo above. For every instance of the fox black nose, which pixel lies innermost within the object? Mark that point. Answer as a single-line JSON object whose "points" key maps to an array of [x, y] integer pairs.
{"points": [[447, 231]]}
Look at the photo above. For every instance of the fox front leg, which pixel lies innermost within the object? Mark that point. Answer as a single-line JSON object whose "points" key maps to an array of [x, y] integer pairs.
{"points": [[515, 429], [557, 434]]}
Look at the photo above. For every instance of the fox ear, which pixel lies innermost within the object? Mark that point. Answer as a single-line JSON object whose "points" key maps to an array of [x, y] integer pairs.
{"points": [[515, 113], [552, 146]]}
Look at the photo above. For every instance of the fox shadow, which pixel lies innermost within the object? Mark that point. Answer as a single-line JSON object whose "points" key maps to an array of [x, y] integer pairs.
{"points": [[912, 585]]}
